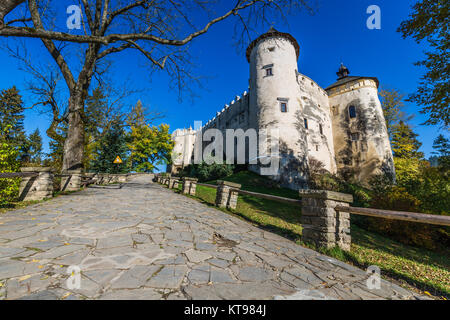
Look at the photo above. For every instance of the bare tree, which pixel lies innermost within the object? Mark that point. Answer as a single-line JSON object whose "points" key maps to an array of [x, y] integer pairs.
{"points": [[158, 29]]}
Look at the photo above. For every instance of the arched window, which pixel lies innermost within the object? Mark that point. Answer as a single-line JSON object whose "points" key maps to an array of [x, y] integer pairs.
{"points": [[352, 112]]}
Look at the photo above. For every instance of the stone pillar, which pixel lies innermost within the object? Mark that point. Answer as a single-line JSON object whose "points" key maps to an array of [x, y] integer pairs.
{"points": [[322, 224], [227, 194], [173, 183], [71, 181], [36, 188], [189, 186]]}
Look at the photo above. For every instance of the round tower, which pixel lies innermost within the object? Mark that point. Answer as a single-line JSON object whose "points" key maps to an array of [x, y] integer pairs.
{"points": [[361, 140], [274, 102]]}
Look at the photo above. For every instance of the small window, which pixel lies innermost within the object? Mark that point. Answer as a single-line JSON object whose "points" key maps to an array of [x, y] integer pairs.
{"points": [[317, 147], [320, 129], [269, 72], [352, 112], [306, 123], [283, 106], [272, 49]]}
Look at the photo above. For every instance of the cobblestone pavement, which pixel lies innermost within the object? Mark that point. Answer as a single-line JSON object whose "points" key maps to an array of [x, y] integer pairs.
{"points": [[146, 242]]}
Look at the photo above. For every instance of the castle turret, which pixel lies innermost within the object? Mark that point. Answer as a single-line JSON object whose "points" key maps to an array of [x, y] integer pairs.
{"points": [[361, 140], [274, 97]]}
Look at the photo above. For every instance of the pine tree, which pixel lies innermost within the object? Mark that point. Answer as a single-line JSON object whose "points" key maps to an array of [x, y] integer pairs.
{"points": [[111, 145], [11, 116], [442, 147], [35, 141], [404, 142]]}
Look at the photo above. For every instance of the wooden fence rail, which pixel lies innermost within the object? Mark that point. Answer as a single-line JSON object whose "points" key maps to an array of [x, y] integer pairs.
{"points": [[398, 215], [295, 202]]}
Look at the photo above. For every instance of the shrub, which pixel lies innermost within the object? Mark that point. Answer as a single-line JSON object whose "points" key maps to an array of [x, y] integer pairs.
{"points": [[204, 172], [9, 188]]}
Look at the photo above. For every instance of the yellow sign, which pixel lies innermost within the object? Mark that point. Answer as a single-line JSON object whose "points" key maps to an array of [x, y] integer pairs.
{"points": [[118, 160]]}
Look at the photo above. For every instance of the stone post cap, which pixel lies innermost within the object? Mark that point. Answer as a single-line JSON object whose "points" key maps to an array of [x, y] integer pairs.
{"points": [[327, 195], [36, 169], [189, 179], [229, 184], [76, 171]]}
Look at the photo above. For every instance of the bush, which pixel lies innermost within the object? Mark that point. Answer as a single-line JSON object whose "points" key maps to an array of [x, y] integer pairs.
{"points": [[9, 188], [204, 172]]}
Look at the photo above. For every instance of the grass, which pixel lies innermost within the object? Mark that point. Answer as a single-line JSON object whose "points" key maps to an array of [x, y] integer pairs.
{"points": [[415, 268]]}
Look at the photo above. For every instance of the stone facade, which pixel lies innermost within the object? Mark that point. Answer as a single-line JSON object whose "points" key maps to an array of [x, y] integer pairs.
{"points": [[342, 126], [36, 188], [227, 194], [322, 224]]}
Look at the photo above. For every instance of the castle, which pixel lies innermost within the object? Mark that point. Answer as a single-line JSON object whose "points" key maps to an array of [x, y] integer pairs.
{"points": [[341, 126]]}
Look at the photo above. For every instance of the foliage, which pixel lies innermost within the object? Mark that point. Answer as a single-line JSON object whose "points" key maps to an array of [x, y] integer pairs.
{"points": [[205, 172], [149, 146], [404, 142], [392, 104], [441, 145], [35, 142], [430, 21], [111, 145], [8, 163], [11, 116]]}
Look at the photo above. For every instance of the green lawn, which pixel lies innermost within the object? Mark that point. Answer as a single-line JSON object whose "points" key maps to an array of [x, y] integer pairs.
{"points": [[412, 267]]}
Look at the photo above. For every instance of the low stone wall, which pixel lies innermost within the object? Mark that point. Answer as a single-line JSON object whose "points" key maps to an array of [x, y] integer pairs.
{"points": [[36, 188], [322, 224]]}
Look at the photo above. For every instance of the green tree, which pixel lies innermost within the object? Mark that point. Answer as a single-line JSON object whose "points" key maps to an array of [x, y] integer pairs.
{"points": [[55, 156], [111, 145], [11, 116], [404, 142], [441, 145], [392, 104], [430, 21], [149, 146], [35, 141], [8, 163]]}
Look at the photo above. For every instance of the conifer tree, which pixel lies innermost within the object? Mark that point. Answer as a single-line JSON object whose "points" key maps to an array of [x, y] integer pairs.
{"points": [[404, 142], [35, 142], [111, 145]]}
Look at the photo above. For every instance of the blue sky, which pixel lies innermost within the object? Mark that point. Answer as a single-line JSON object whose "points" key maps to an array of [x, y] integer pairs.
{"points": [[337, 32]]}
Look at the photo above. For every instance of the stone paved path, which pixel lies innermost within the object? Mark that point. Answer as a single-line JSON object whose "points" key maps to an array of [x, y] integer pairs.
{"points": [[146, 242]]}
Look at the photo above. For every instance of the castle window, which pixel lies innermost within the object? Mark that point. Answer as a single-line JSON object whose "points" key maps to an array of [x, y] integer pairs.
{"points": [[306, 123], [317, 147], [352, 112], [269, 70], [355, 136], [320, 128], [272, 49], [283, 106]]}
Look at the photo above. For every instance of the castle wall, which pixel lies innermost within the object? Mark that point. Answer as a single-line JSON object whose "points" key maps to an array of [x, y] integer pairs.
{"points": [[314, 106], [362, 146]]}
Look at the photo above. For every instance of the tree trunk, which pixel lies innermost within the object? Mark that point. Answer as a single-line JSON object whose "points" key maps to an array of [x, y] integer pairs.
{"points": [[74, 144]]}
